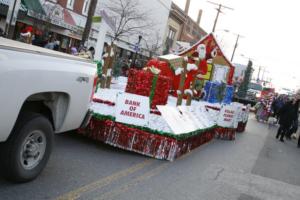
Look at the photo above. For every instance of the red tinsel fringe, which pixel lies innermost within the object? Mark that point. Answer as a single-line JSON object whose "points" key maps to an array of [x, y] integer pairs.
{"points": [[225, 133], [139, 141], [241, 127]]}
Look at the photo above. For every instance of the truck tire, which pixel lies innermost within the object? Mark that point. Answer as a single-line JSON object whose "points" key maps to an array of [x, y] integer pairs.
{"points": [[26, 152]]}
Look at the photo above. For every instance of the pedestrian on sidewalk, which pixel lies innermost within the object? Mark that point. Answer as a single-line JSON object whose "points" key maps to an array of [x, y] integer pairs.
{"points": [[288, 114]]}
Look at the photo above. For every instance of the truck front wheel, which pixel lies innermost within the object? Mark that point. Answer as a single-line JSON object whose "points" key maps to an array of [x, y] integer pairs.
{"points": [[27, 151]]}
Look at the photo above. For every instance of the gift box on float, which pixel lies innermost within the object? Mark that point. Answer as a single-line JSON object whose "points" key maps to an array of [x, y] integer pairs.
{"points": [[174, 61], [145, 83], [228, 94], [211, 92], [216, 92]]}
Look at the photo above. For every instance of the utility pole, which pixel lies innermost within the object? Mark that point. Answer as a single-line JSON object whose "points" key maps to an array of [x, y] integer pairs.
{"points": [[219, 10], [88, 25], [10, 18], [257, 80], [236, 45]]}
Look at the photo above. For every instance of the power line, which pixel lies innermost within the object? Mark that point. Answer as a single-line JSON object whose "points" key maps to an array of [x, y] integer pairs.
{"points": [[219, 10], [164, 5]]}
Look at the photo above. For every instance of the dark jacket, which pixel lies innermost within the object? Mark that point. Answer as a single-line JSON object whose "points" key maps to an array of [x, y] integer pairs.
{"points": [[288, 114]]}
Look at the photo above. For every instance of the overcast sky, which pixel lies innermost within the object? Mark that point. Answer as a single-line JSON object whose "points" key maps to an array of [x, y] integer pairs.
{"points": [[271, 30]]}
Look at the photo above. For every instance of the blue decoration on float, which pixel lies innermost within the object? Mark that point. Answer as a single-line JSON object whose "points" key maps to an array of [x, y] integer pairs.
{"points": [[228, 94], [212, 90]]}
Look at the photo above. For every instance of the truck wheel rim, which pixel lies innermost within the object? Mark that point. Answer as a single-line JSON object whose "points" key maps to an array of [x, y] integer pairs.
{"points": [[33, 149]]}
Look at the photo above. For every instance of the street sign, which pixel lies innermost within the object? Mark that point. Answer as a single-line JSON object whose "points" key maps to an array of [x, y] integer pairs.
{"points": [[96, 19]]}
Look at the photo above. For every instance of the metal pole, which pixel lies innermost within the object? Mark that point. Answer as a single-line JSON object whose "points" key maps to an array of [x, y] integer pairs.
{"points": [[257, 80], [235, 46], [8, 26], [216, 20], [135, 56]]}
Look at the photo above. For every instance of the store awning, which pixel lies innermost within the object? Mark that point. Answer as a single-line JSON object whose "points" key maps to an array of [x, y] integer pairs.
{"points": [[6, 3], [68, 18], [34, 5]]}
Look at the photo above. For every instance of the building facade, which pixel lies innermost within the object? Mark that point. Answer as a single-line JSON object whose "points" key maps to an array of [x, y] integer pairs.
{"points": [[157, 13], [181, 27], [64, 19]]}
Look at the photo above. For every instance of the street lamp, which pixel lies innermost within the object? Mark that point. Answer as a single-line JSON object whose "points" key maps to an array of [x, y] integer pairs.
{"points": [[136, 48]]}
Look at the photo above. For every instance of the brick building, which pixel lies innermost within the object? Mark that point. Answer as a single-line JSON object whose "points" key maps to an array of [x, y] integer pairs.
{"points": [[63, 18], [181, 27]]}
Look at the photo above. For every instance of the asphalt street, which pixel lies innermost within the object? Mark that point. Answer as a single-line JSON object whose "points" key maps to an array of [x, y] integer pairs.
{"points": [[253, 167]]}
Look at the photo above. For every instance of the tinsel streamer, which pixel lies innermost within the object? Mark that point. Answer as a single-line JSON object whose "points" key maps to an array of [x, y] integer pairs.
{"points": [[140, 141]]}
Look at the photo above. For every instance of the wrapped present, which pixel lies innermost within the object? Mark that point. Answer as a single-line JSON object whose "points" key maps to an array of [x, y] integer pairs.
{"points": [[145, 83], [228, 94], [211, 92], [216, 92], [174, 61]]}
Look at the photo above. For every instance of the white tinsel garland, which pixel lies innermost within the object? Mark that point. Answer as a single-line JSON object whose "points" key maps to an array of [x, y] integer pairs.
{"points": [[105, 55], [178, 92], [112, 53], [191, 67], [109, 72], [188, 92], [178, 71], [200, 76]]}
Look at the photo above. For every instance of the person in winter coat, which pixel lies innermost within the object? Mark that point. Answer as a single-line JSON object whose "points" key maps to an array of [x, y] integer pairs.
{"points": [[277, 105], [287, 116]]}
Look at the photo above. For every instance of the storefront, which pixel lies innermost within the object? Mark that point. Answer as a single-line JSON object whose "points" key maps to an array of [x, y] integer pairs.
{"points": [[47, 20]]}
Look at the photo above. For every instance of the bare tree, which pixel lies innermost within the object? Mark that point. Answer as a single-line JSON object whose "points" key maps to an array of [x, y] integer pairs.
{"points": [[153, 44], [128, 18]]}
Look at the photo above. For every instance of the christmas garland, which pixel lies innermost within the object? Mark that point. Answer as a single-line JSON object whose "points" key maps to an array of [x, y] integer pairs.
{"points": [[109, 103], [146, 129], [99, 67]]}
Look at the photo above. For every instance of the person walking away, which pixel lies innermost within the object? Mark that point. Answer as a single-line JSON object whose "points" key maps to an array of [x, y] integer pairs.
{"points": [[287, 115], [277, 105]]}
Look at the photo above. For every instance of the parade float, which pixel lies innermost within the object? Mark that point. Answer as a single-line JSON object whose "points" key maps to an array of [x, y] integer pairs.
{"points": [[175, 104]]}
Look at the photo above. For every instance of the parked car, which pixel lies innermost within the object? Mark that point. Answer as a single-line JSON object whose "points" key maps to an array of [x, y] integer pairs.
{"points": [[42, 92]]}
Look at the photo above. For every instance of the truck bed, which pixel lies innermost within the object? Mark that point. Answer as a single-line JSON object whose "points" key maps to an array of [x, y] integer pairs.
{"points": [[28, 48]]}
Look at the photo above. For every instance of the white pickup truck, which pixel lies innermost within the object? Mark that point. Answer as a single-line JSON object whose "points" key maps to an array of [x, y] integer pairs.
{"points": [[42, 92]]}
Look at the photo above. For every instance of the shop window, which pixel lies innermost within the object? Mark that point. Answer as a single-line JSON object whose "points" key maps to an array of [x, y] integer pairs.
{"points": [[171, 37], [70, 4], [85, 8]]}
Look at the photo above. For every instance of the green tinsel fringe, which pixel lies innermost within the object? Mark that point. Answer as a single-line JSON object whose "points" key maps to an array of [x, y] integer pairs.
{"points": [[146, 129]]}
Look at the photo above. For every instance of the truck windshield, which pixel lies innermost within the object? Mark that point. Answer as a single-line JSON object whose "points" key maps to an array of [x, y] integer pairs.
{"points": [[255, 86]]}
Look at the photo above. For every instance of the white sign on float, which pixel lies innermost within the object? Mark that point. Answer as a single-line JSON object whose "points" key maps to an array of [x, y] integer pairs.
{"points": [[132, 109], [186, 111], [227, 117], [179, 122]]}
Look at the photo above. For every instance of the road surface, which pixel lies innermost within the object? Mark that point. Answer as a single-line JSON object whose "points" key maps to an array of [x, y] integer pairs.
{"points": [[253, 167]]}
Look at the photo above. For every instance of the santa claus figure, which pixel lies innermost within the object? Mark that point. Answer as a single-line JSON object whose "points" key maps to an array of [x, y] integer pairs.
{"points": [[196, 68]]}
